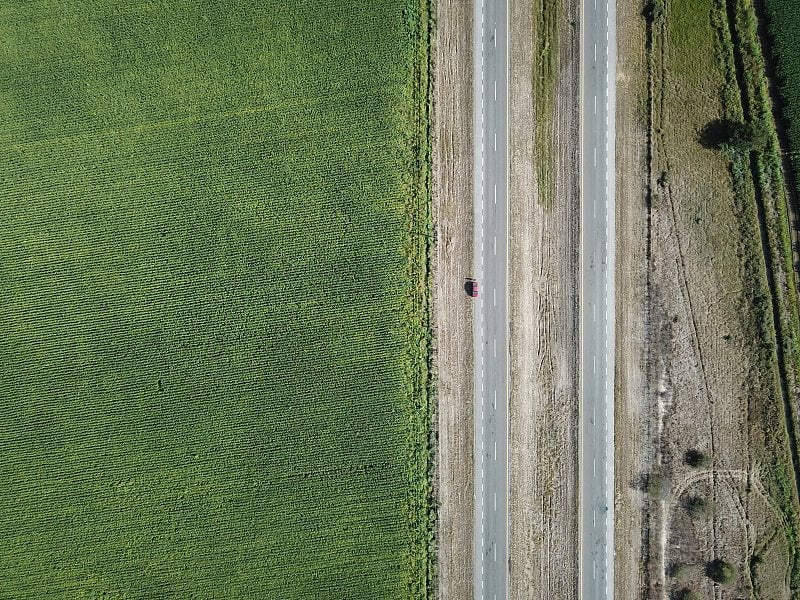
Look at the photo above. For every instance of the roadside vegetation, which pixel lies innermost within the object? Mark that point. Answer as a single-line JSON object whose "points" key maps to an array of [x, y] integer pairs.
{"points": [[718, 187], [762, 198], [215, 333]]}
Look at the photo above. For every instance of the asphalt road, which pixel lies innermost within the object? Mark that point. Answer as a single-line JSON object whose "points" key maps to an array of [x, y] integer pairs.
{"points": [[491, 311], [596, 438]]}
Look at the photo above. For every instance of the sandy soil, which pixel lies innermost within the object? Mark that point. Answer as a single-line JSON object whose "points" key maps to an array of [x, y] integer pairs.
{"points": [[543, 311], [452, 264], [687, 373]]}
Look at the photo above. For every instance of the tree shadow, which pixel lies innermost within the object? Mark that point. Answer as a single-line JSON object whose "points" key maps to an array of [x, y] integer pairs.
{"points": [[716, 133]]}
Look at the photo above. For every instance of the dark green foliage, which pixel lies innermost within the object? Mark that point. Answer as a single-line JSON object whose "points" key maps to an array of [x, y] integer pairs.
{"points": [[735, 136], [720, 571], [697, 459], [203, 346], [655, 11], [686, 594]]}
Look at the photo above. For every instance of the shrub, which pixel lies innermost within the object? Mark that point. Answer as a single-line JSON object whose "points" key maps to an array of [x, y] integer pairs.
{"points": [[657, 487], [655, 11], [720, 571], [697, 506], [695, 458], [734, 136], [680, 572]]}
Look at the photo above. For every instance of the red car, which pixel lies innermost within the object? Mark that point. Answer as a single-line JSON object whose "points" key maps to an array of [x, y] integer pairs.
{"points": [[474, 288]]}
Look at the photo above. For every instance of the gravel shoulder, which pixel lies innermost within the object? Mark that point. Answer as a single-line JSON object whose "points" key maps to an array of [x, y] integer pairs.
{"points": [[543, 280], [452, 262]]}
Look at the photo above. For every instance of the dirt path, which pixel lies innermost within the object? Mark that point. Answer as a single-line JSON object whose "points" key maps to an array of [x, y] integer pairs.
{"points": [[452, 264], [543, 312]]}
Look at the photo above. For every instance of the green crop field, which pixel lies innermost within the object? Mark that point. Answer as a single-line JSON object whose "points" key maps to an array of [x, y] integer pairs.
{"points": [[783, 21], [213, 377]]}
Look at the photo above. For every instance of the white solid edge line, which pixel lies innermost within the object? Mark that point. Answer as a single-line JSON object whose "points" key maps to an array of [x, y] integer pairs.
{"points": [[478, 181], [611, 53], [581, 268], [507, 374]]}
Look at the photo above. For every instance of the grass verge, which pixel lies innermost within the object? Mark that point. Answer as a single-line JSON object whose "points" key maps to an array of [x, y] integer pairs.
{"points": [[417, 306], [546, 15], [769, 313]]}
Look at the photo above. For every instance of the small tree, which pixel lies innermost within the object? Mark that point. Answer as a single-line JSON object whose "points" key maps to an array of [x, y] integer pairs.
{"points": [[720, 571], [686, 594], [744, 137], [657, 487], [696, 458], [737, 137]]}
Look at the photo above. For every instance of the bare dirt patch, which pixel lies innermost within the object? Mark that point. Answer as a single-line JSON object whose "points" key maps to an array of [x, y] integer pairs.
{"points": [[543, 257], [452, 264]]}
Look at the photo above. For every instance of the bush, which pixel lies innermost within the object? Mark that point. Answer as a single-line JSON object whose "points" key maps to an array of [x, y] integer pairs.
{"points": [[734, 136], [695, 458], [657, 487], [745, 137], [686, 594], [655, 11], [720, 571], [697, 506], [680, 572]]}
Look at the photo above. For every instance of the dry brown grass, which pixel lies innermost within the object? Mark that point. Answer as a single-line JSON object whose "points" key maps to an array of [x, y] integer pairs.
{"points": [[543, 311]]}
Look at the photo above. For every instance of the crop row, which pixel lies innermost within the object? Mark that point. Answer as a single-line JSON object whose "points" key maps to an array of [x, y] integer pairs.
{"points": [[783, 24]]}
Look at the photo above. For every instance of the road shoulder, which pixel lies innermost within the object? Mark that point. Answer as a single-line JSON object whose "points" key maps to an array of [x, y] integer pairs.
{"points": [[452, 264], [631, 278]]}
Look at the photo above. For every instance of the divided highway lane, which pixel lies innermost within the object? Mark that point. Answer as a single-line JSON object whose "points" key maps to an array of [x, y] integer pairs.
{"points": [[596, 438], [491, 313]]}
